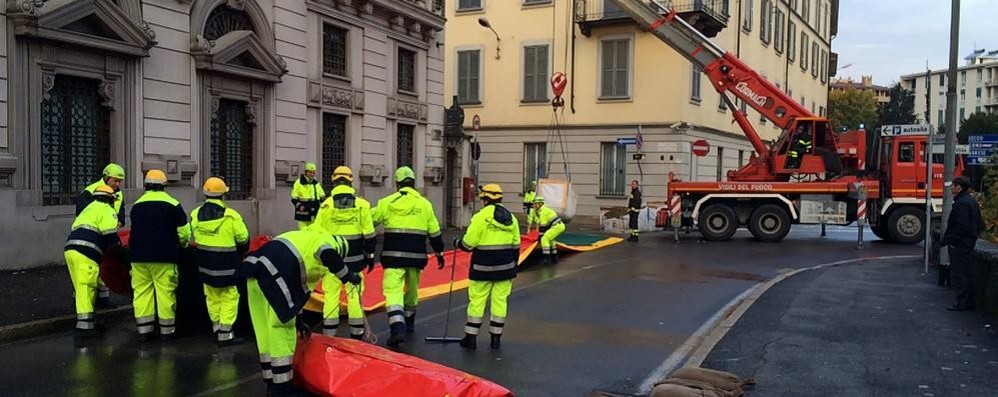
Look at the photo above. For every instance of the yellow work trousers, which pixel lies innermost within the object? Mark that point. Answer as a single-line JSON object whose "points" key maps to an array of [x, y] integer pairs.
{"points": [[223, 306], [401, 288], [154, 286], [84, 273], [332, 287], [548, 246], [480, 292], [274, 340]]}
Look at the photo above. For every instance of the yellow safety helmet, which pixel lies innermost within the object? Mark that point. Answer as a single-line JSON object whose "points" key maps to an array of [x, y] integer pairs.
{"points": [[539, 199], [113, 170], [310, 167], [104, 191], [491, 191], [214, 187], [155, 177], [403, 173], [343, 172]]}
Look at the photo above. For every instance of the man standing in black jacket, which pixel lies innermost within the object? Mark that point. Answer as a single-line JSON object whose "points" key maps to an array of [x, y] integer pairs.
{"points": [[633, 210], [961, 235]]}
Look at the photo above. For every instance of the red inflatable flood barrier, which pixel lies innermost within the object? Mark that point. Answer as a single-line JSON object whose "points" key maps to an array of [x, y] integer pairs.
{"points": [[331, 366], [114, 270]]}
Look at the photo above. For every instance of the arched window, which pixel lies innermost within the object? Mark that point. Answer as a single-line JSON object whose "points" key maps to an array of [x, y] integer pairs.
{"points": [[224, 19]]}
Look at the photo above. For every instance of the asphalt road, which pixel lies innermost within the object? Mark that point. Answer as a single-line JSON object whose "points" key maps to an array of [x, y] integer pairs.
{"points": [[603, 320]]}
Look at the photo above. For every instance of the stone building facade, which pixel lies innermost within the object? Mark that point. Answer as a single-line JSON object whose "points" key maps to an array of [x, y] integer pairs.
{"points": [[245, 89]]}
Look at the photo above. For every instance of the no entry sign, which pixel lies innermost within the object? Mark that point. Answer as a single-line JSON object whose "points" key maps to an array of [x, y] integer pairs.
{"points": [[701, 148]]}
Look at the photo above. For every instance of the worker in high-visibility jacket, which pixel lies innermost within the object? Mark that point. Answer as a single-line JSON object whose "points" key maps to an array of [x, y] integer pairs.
{"points": [[306, 195], [528, 198], [112, 176], [550, 227], [159, 231], [493, 237], [409, 220], [346, 215], [94, 232], [277, 291], [221, 240]]}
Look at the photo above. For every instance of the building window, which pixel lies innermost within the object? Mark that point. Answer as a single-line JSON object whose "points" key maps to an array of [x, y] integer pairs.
{"points": [[224, 19], [942, 80], [741, 158], [404, 144], [962, 114], [792, 42], [720, 163], [963, 94], [914, 84], [535, 73], [334, 50], [695, 83], [779, 34], [980, 75], [466, 5], [803, 51], [613, 169], [978, 92], [963, 78], [469, 76], [939, 117], [821, 111], [407, 70], [615, 69], [824, 67], [977, 109], [535, 164], [766, 21], [533, 2], [231, 151], [721, 105], [805, 11], [334, 144], [747, 14], [75, 136], [815, 53]]}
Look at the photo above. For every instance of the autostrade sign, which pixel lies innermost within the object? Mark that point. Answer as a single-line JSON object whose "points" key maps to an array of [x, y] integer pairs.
{"points": [[905, 129]]}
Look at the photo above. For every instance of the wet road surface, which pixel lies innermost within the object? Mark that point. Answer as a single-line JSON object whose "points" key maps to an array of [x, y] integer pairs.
{"points": [[599, 320]]}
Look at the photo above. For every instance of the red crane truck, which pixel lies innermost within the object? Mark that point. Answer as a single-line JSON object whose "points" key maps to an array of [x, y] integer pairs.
{"points": [[776, 189]]}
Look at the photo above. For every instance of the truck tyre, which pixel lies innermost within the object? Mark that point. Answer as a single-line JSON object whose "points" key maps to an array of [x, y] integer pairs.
{"points": [[878, 230], [717, 222], [905, 225], [769, 223]]}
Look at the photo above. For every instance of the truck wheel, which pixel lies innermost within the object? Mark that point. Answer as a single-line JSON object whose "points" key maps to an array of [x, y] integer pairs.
{"points": [[717, 222], [905, 225], [769, 223], [879, 231]]}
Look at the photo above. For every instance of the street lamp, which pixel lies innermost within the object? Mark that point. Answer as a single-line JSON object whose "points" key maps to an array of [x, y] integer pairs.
{"points": [[485, 24]]}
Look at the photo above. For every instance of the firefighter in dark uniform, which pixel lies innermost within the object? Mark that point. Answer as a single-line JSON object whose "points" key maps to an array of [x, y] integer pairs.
{"points": [[800, 146], [962, 230], [159, 231], [221, 241], [493, 238], [634, 210], [409, 221], [281, 274]]}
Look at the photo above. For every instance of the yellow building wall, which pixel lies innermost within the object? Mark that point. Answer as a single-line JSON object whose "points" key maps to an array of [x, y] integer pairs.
{"points": [[660, 86]]}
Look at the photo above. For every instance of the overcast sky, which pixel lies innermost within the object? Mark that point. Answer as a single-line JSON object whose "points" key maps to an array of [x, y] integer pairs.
{"points": [[890, 38]]}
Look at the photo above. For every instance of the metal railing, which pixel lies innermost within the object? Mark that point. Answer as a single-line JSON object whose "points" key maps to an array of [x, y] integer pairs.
{"points": [[605, 10]]}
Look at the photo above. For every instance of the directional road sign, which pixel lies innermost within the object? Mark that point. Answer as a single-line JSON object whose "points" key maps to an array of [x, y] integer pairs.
{"points": [[627, 141], [980, 148], [905, 129]]}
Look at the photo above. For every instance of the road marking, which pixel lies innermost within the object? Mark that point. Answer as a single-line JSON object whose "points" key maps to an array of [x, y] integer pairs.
{"points": [[695, 349]]}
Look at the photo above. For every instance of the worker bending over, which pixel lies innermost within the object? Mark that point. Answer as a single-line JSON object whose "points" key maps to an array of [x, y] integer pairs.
{"points": [[550, 227], [94, 232]]}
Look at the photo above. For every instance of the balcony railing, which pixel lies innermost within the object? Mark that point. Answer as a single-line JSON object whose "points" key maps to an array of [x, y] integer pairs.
{"points": [[590, 13]]}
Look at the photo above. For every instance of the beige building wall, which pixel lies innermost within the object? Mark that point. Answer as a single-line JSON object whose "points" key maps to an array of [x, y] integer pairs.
{"points": [[661, 95], [977, 89], [161, 81]]}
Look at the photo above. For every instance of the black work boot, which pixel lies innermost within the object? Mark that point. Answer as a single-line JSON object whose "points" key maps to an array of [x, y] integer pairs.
{"points": [[410, 324], [547, 260], [231, 342], [554, 258], [358, 337], [469, 342], [397, 335], [495, 344], [104, 303], [146, 337]]}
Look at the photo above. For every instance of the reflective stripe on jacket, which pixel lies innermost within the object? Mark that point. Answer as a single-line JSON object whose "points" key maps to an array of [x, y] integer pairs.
{"points": [[221, 241], [409, 220], [159, 228], [348, 216], [493, 237], [94, 230]]}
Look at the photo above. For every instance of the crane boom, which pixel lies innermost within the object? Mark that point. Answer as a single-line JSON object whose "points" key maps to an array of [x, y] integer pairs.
{"points": [[726, 72]]}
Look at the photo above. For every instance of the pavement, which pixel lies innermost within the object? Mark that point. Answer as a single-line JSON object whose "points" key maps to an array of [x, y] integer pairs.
{"points": [[863, 329], [615, 319]]}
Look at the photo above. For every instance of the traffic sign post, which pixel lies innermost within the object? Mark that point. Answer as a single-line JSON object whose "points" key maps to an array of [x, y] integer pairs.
{"points": [[701, 148], [980, 148]]}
